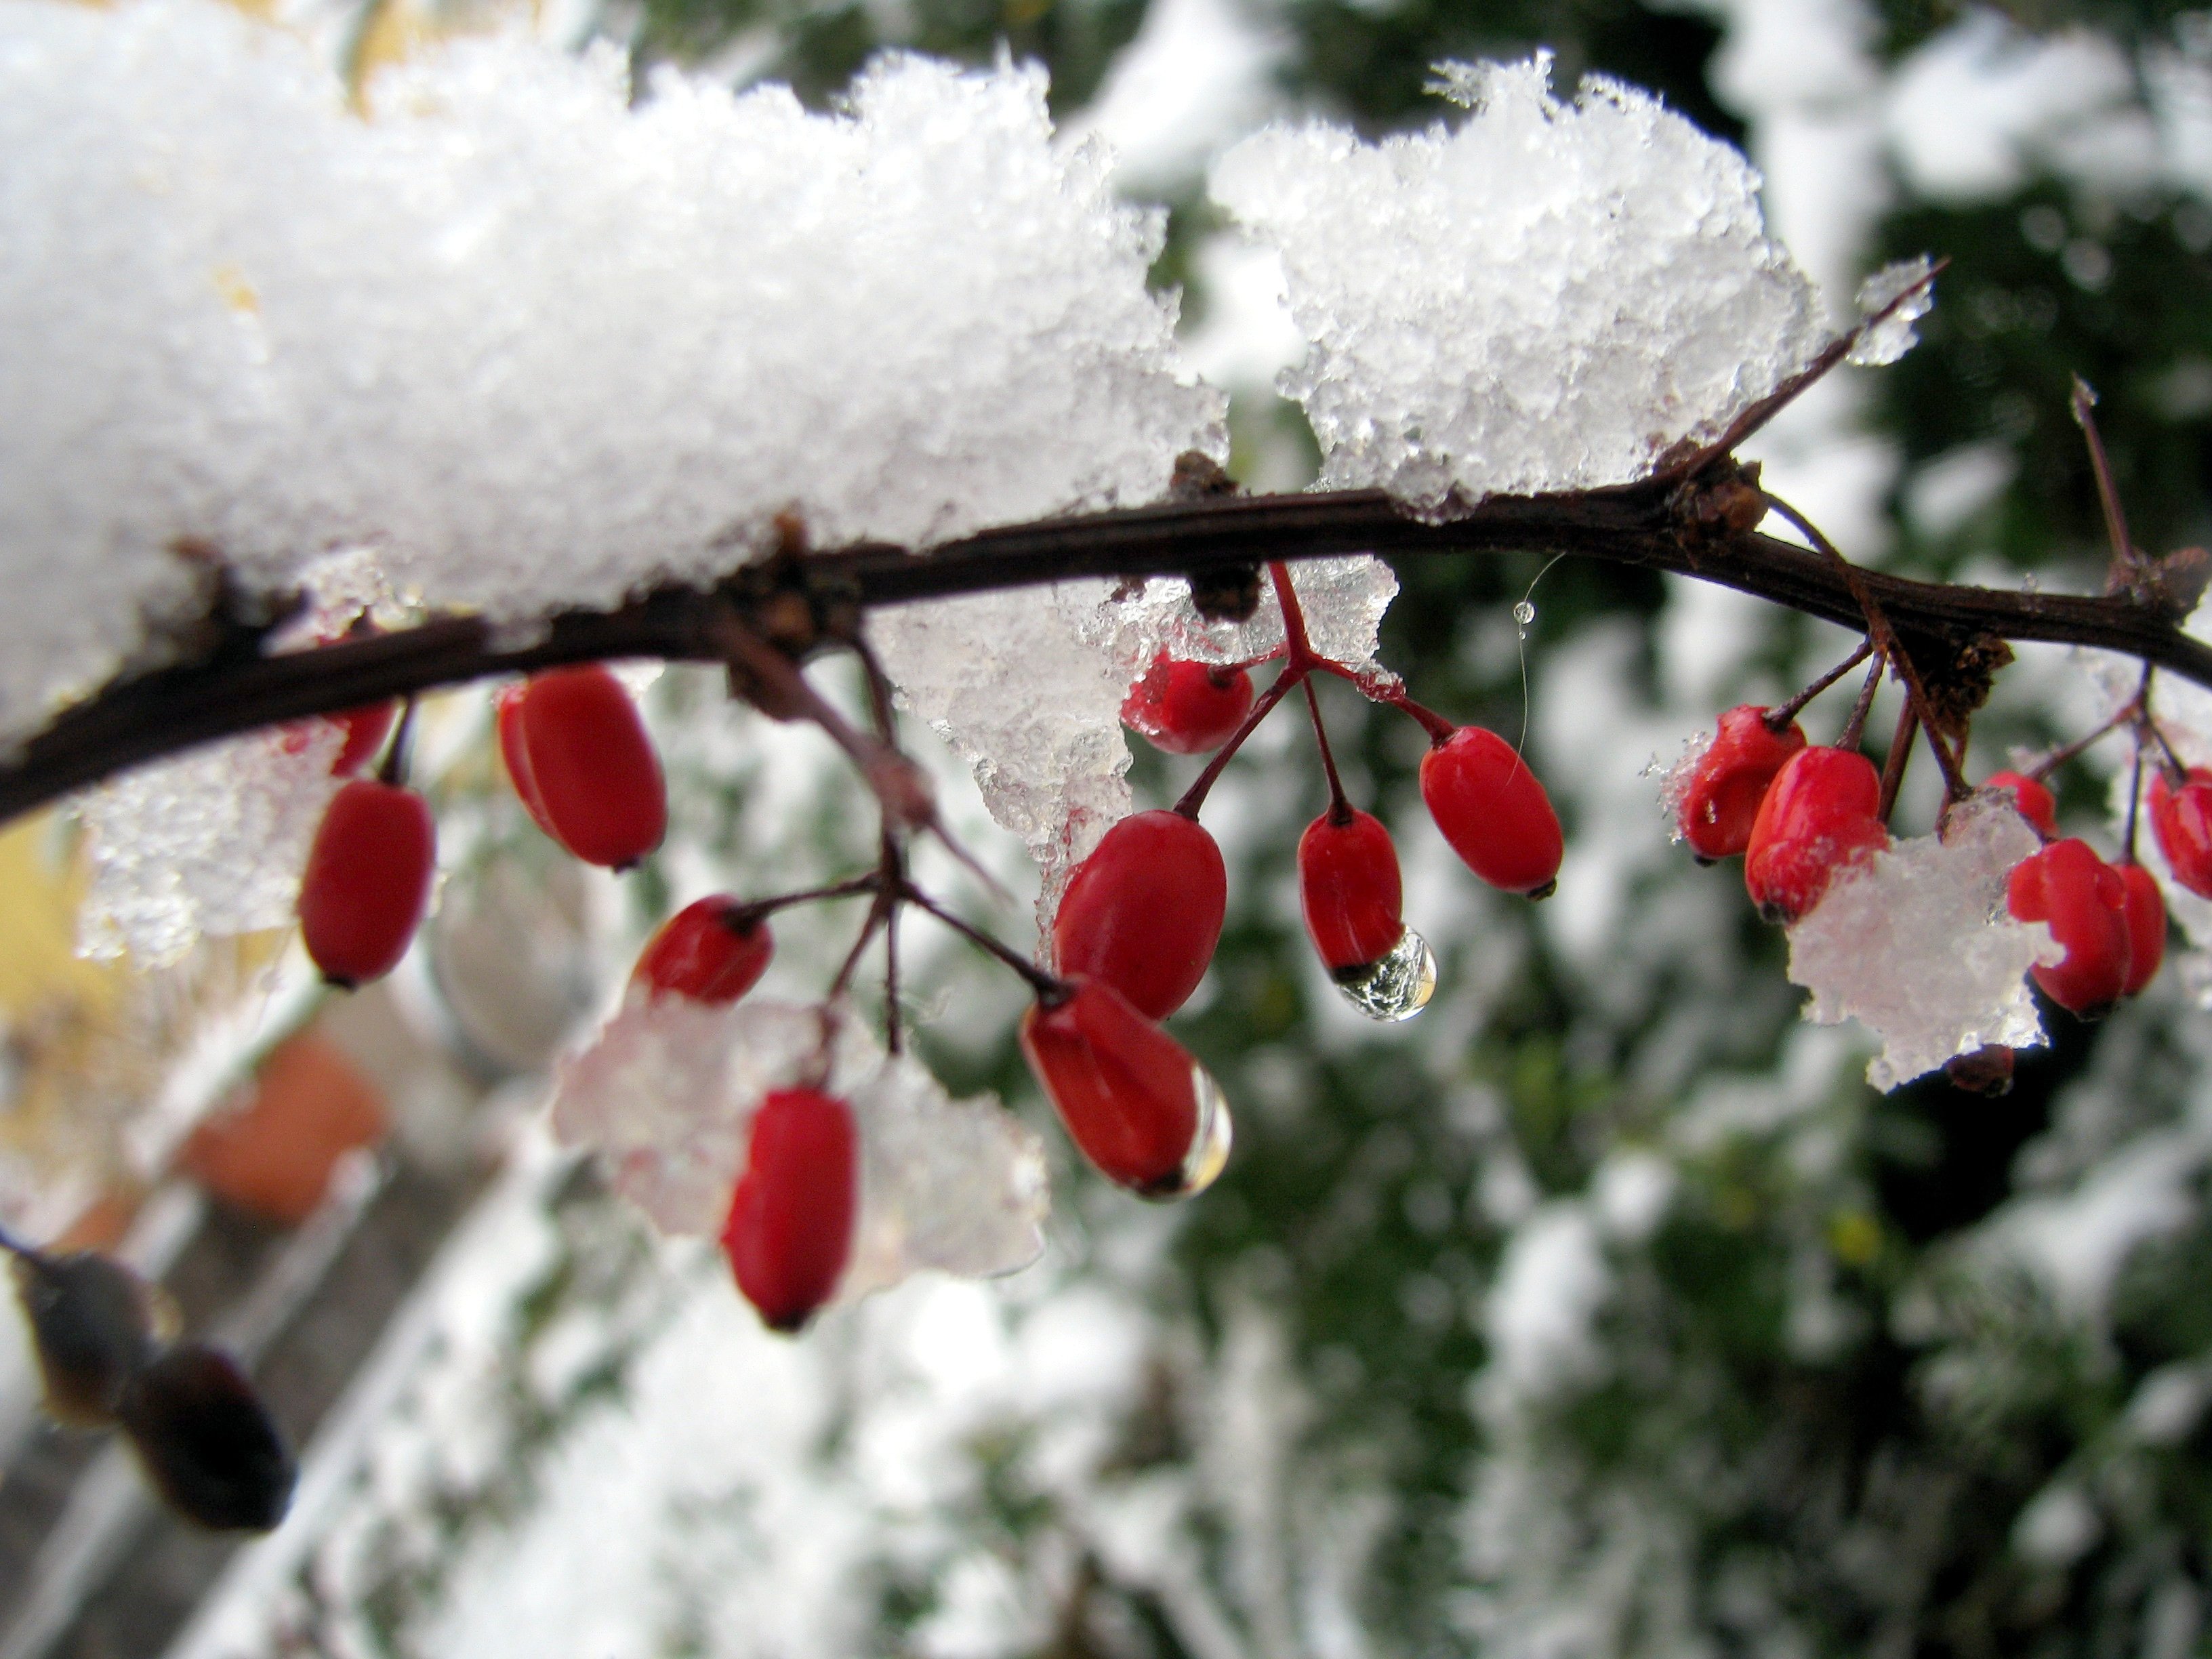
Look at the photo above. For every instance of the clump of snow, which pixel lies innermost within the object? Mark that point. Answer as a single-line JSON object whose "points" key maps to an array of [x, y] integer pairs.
{"points": [[536, 341], [666, 1096], [1342, 601], [1886, 341], [1675, 778], [1916, 943], [1544, 298]]}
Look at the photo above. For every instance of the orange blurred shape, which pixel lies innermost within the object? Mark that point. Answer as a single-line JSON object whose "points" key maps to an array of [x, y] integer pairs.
{"points": [[272, 1149]]}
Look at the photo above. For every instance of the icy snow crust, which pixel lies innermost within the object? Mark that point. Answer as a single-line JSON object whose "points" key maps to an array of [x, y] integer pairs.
{"points": [[1546, 297]]}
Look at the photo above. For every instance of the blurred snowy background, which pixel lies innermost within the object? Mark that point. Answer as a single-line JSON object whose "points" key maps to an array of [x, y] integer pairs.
{"points": [[1602, 1310]]}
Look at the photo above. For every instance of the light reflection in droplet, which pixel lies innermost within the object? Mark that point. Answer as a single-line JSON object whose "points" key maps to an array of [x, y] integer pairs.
{"points": [[1396, 988], [1209, 1143]]}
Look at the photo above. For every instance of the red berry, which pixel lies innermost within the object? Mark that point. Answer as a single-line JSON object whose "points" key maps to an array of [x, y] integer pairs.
{"points": [[1348, 886], [2146, 913], [367, 880], [790, 1218], [363, 733], [2084, 901], [1144, 912], [1187, 708], [1721, 799], [1490, 807], [711, 950], [2036, 803], [515, 752], [1818, 816], [2181, 818], [590, 766], [1133, 1101]]}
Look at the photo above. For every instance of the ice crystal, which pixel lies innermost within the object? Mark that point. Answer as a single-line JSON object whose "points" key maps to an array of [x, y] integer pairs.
{"points": [[1886, 341], [1546, 297], [1675, 779], [1916, 943]]}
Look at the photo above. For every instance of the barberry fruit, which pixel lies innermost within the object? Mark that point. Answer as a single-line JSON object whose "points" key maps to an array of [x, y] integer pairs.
{"points": [[2084, 903], [1349, 888], [2036, 803], [2181, 818], [514, 751], [2146, 912], [367, 880], [790, 1228], [587, 770], [363, 730], [1490, 808], [1187, 708], [1144, 912], [1818, 816], [207, 1440], [714, 950], [1136, 1104], [1720, 801], [1985, 1071]]}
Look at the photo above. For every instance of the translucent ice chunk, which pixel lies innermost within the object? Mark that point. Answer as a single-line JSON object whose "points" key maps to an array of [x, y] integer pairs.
{"points": [[1397, 987], [1894, 334], [1674, 780], [1917, 944]]}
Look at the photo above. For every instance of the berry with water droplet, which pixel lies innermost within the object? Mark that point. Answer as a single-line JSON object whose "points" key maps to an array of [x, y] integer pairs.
{"points": [[1144, 912], [1817, 817], [1187, 708], [2181, 818], [92, 1325], [1136, 1104], [367, 880], [2036, 803], [1490, 808], [588, 766], [714, 950], [2146, 912], [1720, 802], [207, 1440], [1349, 888], [2083, 901], [790, 1228]]}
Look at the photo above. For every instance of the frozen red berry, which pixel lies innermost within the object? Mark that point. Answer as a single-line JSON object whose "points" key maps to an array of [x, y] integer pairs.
{"points": [[1144, 912], [1136, 1104], [1819, 816], [2036, 803], [2181, 818], [1490, 808], [790, 1229], [367, 880], [2146, 912], [2083, 902], [1720, 799], [1187, 708], [714, 950], [1349, 888], [587, 768]]}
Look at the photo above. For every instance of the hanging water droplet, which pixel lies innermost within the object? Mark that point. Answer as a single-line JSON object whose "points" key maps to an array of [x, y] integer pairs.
{"points": [[1523, 613], [1209, 1143], [1396, 988]]}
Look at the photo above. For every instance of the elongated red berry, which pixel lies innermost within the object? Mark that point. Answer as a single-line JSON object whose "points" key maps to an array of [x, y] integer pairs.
{"points": [[367, 880], [591, 765], [1490, 808], [1136, 1104], [515, 753], [2083, 901], [2036, 803], [1720, 801], [1187, 708], [1349, 888], [2146, 912], [2181, 818], [712, 950], [791, 1218], [1817, 817], [1144, 912]]}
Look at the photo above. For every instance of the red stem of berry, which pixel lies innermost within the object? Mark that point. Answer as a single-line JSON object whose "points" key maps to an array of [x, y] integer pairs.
{"points": [[1855, 727], [1900, 754], [1194, 798], [1339, 810], [2135, 804], [1050, 989], [393, 772], [1778, 718], [2058, 757]]}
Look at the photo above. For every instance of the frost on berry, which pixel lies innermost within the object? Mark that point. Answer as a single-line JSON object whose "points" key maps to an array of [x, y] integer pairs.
{"points": [[666, 1096], [1676, 776], [1914, 942]]}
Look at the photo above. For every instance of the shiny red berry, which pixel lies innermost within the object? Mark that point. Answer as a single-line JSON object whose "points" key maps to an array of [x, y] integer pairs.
{"points": [[590, 766], [1490, 808], [1137, 1105], [712, 950], [791, 1218], [2036, 803], [514, 753], [1817, 817], [1349, 888], [2146, 912], [1720, 801], [2083, 901], [367, 880], [1187, 708], [1144, 912], [2181, 818]]}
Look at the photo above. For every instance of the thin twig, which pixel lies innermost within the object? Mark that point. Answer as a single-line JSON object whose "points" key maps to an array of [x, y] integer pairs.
{"points": [[1047, 986], [1893, 764], [1778, 719], [2127, 567], [1855, 726], [1339, 810], [1194, 798]]}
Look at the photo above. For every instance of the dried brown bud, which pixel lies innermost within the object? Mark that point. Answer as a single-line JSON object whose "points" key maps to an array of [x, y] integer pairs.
{"points": [[93, 1325]]}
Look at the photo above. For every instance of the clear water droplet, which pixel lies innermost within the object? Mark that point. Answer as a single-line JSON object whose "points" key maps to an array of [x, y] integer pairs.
{"points": [[1396, 988], [1209, 1143], [1524, 613]]}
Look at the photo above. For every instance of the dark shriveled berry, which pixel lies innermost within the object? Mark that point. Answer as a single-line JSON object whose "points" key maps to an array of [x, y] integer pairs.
{"points": [[207, 1441], [92, 1325]]}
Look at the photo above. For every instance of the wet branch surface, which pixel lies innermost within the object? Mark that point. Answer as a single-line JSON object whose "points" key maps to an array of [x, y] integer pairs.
{"points": [[224, 684]]}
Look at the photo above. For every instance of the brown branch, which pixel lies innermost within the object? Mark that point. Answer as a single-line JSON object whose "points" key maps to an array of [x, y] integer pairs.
{"points": [[805, 604]]}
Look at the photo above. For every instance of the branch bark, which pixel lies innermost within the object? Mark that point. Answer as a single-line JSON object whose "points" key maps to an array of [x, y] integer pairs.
{"points": [[803, 604]]}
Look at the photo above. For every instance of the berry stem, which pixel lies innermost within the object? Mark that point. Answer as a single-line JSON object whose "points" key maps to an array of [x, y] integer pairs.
{"points": [[2058, 757], [1899, 756], [1050, 989], [2127, 567], [2135, 805], [892, 871], [1339, 810], [1389, 689], [759, 910], [1778, 718], [393, 772], [1194, 798], [1855, 727], [1297, 649]]}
